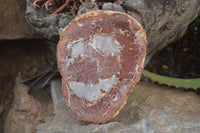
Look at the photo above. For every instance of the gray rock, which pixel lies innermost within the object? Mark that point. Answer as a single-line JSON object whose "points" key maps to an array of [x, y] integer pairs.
{"points": [[48, 26], [113, 7], [150, 108], [165, 21]]}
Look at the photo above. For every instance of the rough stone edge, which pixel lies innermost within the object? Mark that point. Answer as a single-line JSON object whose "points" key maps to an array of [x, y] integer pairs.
{"points": [[48, 26]]}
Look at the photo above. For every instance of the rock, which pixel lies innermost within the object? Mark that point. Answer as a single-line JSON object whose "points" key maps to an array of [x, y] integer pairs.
{"points": [[48, 26], [164, 21], [13, 24], [113, 7], [150, 108], [92, 58], [26, 111]]}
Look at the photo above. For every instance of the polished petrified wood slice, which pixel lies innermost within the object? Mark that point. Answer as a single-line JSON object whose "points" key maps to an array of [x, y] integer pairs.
{"points": [[100, 57]]}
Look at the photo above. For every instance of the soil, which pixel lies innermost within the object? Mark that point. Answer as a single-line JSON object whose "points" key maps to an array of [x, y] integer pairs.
{"points": [[180, 59], [20, 57]]}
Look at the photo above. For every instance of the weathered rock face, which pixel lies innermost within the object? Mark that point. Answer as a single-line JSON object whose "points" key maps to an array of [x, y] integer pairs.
{"points": [[164, 21], [12, 22], [26, 112], [150, 108], [100, 57]]}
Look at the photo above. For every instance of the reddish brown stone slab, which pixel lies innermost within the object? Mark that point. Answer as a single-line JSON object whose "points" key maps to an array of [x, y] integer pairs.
{"points": [[100, 57]]}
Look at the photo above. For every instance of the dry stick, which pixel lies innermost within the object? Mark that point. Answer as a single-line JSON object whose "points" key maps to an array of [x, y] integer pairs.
{"points": [[61, 8]]}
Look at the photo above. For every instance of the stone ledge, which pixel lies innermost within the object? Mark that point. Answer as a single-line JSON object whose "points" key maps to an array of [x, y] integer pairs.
{"points": [[150, 108]]}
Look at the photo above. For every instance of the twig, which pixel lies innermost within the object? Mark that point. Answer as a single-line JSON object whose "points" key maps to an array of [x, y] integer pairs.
{"points": [[61, 8]]}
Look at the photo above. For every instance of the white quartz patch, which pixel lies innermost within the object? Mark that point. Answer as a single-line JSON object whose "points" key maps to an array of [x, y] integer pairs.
{"points": [[92, 92], [77, 49], [106, 43]]}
